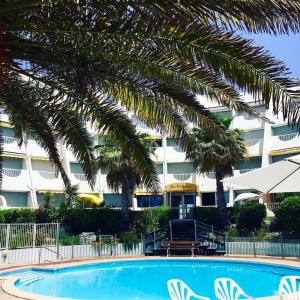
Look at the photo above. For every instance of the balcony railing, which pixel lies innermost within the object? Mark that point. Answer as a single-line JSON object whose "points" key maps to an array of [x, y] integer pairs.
{"points": [[210, 175], [287, 137], [242, 171], [9, 139], [182, 177], [272, 206], [12, 172], [79, 176], [252, 142], [178, 148], [48, 175]]}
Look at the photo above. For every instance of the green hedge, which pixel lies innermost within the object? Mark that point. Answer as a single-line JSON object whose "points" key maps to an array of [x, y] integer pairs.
{"points": [[288, 216], [250, 217], [17, 215]]}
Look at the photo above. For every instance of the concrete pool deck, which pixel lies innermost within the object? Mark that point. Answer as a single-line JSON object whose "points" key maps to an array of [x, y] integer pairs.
{"points": [[9, 292]]}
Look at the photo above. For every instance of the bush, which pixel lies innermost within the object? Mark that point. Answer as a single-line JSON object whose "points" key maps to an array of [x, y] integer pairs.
{"points": [[17, 215], [288, 216], [142, 222], [208, 215], [91, 220], [250, 217]]}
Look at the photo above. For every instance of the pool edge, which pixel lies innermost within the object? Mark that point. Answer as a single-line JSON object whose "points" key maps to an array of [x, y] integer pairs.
{"points": [[9, 287]]}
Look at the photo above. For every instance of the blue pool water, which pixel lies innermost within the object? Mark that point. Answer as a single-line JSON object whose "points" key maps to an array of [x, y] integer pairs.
{"points": [[147, 279]]}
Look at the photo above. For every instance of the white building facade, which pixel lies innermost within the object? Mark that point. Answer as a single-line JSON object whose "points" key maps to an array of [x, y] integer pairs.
{"points": [[28, 174]]}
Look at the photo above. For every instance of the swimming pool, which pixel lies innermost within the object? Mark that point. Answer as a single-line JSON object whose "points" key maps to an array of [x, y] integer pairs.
{"points": [[147, 279]]}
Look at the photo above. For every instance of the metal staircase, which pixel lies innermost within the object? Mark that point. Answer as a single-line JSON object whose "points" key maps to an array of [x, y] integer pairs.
{"points": [[210, 240]]}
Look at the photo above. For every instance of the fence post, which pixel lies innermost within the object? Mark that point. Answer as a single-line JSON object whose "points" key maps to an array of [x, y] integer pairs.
{"points": [[154, 238], [100, 245], [40, 255], [72, 249], [282, 248], [7, 236], [195, 230], [57, 241], [170, 224], [115, 243], [254, 248], [34, 236]]}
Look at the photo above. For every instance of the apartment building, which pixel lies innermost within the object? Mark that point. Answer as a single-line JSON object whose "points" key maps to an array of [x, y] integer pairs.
{"points": [[28, 174]]}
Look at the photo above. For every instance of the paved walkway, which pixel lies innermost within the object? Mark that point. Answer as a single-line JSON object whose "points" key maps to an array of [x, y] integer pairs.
{"points": [[4, 296]]}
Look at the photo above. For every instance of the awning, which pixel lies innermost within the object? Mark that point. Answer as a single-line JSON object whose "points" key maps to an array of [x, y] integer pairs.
{"points": [[14, 155], [91, 199], [147, 194], [285, 151], [280, 177], [181, 187], [40, 158], [51, 191], [6, 124]]}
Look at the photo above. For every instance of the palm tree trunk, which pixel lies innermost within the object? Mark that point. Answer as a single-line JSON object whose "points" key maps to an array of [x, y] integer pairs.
{"points": [[221, 202], [124, 225]]}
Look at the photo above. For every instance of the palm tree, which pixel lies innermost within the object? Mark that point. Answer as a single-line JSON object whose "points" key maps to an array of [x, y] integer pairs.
{"points": [[221, 158], [60, 59], [121, 171]]}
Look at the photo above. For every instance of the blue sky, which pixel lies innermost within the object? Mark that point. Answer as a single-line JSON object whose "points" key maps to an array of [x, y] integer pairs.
{"points": [[283, 47]]}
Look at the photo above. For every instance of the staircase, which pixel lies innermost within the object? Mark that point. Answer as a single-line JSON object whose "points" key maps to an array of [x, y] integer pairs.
{"points": [[202, 238]]}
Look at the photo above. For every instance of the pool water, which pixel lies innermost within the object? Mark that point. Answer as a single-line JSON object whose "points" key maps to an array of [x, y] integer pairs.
{"points": [[147, 279]]}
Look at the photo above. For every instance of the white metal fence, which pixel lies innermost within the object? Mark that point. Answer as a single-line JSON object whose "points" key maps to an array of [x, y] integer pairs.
{"points": [[37, 243], [264, 247]]}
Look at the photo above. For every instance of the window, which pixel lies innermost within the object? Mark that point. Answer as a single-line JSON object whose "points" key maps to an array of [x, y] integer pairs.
{"points": [[76, 168], [149, 200], [171, 142], [208, 199], [12, 163], [251, 163], [180, 168], [112, 200], [220, 114], [159, 168], [278, 158], [56, 199], [282, 130], [254, 134], [15, 199]]}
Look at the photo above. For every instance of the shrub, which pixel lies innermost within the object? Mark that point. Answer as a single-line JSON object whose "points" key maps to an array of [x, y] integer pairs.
{"points": [[142, 222], [288, 216], [17, 215], [66, 240], [91, 220], [208, 215], [250, 217]]}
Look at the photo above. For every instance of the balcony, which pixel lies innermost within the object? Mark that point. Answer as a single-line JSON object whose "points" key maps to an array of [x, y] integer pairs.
{"points": [[15, 179], [186, 177], [255, 146], [11, 145], [80, 180], [47, 180], [246, 122], [34, 149], [284, 141], [158, 154], [175, 154]]}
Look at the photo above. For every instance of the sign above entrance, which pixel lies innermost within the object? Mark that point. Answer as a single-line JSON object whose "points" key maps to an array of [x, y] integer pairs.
{"points": [[181, 187]]}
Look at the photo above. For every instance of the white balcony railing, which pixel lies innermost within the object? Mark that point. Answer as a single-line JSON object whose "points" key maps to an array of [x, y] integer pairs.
{"points": [[272, 206], [48, 175], [210, 175], [287, 137], [9, 139], [252, 142], [182, 177], [12, 172], [178, 148], [80, 176]]}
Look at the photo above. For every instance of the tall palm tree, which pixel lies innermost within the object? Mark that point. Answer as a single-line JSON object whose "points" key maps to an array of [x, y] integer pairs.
{"points": [[220, 158], [122, 173], [60, 59]]}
